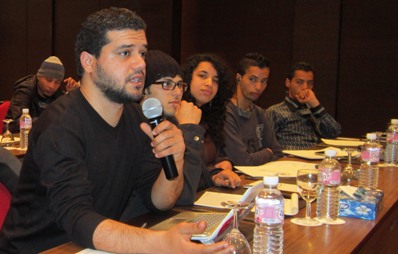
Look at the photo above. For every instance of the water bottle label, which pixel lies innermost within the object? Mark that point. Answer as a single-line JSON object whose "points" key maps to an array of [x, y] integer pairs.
{"points": [[329, 178], [391, 137], [26, 123], [371, 155], [269, 214]]}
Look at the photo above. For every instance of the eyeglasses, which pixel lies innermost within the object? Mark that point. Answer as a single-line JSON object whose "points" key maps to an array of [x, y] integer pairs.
{"points": [[170, 85]]}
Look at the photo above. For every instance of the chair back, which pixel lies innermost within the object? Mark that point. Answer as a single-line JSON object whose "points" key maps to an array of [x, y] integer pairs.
{"points": [[3, 112], [5, 199]]}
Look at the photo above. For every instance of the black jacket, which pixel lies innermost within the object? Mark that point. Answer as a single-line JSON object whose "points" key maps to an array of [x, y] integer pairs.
{"points": [[26, 96]]}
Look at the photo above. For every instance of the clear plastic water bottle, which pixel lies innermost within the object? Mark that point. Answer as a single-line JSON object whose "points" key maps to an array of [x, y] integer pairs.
{"points": [[391, 150], [369, 170], [25, 124], [269, 215], [328, 193]]}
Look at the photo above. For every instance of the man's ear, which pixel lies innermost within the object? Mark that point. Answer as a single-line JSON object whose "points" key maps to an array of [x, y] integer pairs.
{"points": [[87, 61], [287, 83]]}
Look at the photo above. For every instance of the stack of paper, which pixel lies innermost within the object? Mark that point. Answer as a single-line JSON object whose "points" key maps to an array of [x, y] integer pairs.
{"points": [[343, 142], [280, 168], [214, 199], [319, 154], [91, 251]]}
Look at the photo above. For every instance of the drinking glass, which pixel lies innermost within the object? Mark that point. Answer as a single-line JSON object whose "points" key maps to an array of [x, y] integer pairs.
{"points": [[307, 182], [7, 137], [379, 134], [235, 237], [349, 173]]}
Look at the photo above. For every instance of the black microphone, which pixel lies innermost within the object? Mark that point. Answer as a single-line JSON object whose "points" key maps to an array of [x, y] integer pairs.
{"points": [[153, 111]]}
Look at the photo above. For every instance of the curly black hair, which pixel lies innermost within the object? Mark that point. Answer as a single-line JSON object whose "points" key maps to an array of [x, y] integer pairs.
{"points": [[213, 113]]}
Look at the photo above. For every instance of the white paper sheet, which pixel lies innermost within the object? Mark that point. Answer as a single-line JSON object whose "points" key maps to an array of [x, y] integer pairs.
{"points": [[306, 154], [291, 205], [281, 168], [12, 143], [349, 190], [91, 251], [288, 187], [318, 154], [214, 199], [343, 142]]}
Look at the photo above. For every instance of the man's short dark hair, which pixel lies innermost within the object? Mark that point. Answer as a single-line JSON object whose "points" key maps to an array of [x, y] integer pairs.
{"points": [[252, 59], [300, 66], [92, 35]]}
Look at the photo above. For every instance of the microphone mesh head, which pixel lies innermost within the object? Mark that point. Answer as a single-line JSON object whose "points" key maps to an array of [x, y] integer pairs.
{"points": [[152, 108]]}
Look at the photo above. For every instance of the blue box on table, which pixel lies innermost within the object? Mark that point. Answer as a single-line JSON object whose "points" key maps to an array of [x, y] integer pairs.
{"points": [[360, 204]]}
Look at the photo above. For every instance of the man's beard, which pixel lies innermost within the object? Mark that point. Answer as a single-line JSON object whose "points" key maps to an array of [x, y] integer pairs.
{"points": [[109, 88]]}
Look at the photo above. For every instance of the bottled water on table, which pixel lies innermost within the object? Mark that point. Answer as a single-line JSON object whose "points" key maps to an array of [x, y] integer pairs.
{"points": [[269, 215], [369, 169], [391, 151], [327, 208], [25, 124]]}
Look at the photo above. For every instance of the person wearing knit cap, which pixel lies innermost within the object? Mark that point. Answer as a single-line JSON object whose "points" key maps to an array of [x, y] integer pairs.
{"points": [[36, 92], [163, 81], [53, 68]]}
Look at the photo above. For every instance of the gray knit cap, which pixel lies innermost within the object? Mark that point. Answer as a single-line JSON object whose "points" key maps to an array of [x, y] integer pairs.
{"points": [[52, 67]]}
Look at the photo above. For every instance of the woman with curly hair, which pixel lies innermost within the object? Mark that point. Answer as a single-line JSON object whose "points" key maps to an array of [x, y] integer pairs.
{"points": [[209, 87]]}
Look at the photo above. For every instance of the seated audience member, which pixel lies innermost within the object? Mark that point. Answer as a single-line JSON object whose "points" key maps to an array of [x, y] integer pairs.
{"points": [[36, 92], [209, 88], [75, 183], [249, 139], [300, 121], [164, 82]]}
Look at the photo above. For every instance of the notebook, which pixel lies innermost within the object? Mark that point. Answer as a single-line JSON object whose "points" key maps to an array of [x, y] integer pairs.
{"points": [[217, 222]]}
